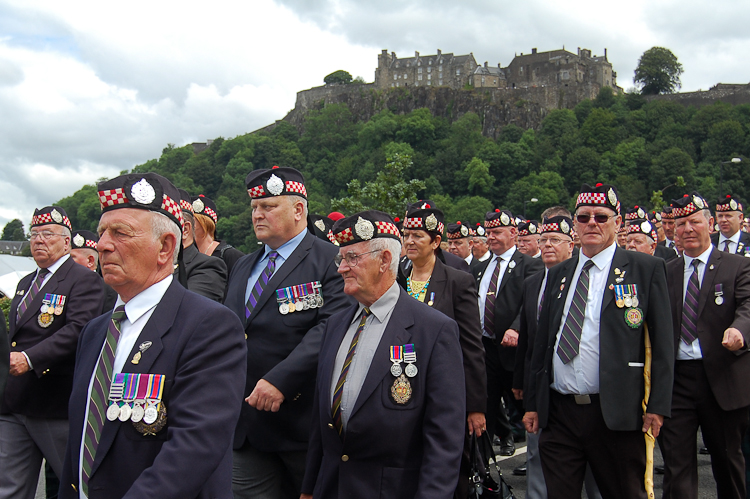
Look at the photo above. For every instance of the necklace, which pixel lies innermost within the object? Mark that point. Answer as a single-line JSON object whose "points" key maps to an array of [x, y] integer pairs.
{"points": [[415, 288]]}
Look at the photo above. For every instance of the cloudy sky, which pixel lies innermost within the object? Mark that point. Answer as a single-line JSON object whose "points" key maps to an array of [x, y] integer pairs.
{"points": [[91, 88]]}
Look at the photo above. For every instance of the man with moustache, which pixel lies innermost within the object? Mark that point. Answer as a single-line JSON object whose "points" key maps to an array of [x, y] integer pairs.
{"points": [[47, 313], [586, 385], [709, 293], [731, 238], [667, 225]]}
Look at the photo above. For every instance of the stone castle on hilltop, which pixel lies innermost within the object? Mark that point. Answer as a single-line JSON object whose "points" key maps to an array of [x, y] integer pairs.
{"points": [[555, 68]]}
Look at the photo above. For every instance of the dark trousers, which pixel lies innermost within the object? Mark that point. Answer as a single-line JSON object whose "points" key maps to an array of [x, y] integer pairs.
{"points": [[576, 435], [499, 381], [694, 405]]}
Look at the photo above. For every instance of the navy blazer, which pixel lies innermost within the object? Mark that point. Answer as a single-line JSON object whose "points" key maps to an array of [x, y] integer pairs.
{"points": [[622, 348], [4, 354], [206, 275], [44, 391], [527, 332], [199, 346], [392, 450], [283, 349], [727, 372]]}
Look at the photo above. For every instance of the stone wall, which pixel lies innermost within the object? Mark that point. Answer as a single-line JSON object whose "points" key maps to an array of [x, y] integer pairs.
{"points": [[725, 92]]}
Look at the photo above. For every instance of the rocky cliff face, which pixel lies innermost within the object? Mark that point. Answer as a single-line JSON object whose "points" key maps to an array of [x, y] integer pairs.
{"points": [[495, 107]]}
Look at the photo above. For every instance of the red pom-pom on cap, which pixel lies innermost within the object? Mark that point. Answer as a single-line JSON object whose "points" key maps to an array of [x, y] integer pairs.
{"points": [[599, 184], [396, 219], [274, 167], [497, 210]]}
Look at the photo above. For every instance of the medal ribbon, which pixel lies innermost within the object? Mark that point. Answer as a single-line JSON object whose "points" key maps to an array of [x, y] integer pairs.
{"points": [[410, 355], [131, 386], [396, 353], [142, 388], [117, 388], [719, 290], [155, 386]]}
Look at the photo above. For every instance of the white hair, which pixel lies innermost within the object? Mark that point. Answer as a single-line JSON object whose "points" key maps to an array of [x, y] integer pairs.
{"points": [[294, 199], [160, 225], [391, 245], [66, 231]]}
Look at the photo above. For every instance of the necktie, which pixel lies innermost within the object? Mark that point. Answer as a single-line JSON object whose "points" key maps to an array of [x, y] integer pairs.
{"points": [[489, 301], [570, 339], [261, 283], [35, 287], [339, 391], [726, 245], [541, 302], [100, 395], [689, 329]]}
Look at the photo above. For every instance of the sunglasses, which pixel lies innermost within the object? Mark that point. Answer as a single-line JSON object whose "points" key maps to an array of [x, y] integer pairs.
{"points": [[599, 218]]}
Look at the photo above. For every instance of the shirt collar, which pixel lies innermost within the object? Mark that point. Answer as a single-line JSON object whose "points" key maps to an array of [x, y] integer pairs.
{"points": [[703, 257], [735, 238], [286, 249], [382, 305], [53, 268], [508, 254], [601, 259], [145, 300]]}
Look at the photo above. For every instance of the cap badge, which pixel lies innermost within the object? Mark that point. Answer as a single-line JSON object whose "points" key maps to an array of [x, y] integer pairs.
{"points": [[464, 231], [564, 227], [641, 214], [364, 229], [275, 185], [698, 202], [320, 225], [198, 206], [646, 227], [612, 197], [143, 192], [431, 222], [532, 228], [79, 240], [733, 204], [56, 216], [481, 231], [505, 219]]}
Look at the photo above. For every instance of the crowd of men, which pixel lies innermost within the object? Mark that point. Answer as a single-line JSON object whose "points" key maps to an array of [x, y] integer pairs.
{"points": [[152, 359]]}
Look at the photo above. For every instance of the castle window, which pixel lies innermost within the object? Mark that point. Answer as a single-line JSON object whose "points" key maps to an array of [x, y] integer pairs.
{"points": [[396, 64], [405, 76], [419, 63], [440, 82], [430, 63], [482, 80], [429, 77], [458, 71], [419, 77], [419, 70], [441, 68], [429, 70], [395, 77]]}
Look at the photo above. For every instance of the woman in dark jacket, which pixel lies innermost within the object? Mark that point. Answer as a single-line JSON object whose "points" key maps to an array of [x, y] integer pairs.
{"points": [[206, 218], [453, 293]]}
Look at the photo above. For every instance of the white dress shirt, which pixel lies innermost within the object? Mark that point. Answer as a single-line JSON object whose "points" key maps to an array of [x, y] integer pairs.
{"points": [[485, 256], [693, 350], [138, 311], [580, 376], [484, 284], [733, 242]]}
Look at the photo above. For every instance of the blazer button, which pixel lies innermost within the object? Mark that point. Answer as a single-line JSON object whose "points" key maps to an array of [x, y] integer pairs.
{"points": [[330, 425], [345, 458], [13, 344], [245, 335], [297, 396]]}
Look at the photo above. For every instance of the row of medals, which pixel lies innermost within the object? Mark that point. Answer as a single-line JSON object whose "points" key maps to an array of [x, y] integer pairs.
{"points": [[627, 301], [135, 414], [49, 309], [411, 369], [305, 303]]}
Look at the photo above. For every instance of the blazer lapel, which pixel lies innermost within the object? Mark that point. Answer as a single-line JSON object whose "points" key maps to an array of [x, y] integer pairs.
{"points": [[396, 333], [23, 286], [558, 296], [619, 262], [286, 268], [709, 276], [437, 285], [512, 264], [158, 324]]}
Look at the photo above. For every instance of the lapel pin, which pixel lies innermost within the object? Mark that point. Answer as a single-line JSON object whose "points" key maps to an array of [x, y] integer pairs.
{"points": [[141, 348], [711, 267], [617, 271], [559, 295], [564, 279], [611, 287]]}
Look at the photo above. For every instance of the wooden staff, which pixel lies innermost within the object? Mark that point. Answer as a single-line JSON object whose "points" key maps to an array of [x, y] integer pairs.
{"points": [[650, 440]]}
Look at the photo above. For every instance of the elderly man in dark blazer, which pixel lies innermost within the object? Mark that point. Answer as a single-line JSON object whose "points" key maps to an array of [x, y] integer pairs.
{"points": [[500, 284], [709, 293], [389, 412], [282, 293], [47, 313], [729, 217], [586, 384], [158, 382]]}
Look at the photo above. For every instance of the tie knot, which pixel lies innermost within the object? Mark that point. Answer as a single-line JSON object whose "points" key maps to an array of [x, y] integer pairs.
{"points": [[43, 272], [588, 265], [365, 312], [119, 313], [273, 255], [695, 264]]}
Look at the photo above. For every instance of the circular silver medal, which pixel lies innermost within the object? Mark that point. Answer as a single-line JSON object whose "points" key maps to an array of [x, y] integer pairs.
{"points": [[125, 412], [396, 369], [635, 301], [150, 415], [300, 305], [113, 412], [628, 301], [320, 300], [284, 308], [411, 370], [137, 413], [719, 300], [43, 309]]}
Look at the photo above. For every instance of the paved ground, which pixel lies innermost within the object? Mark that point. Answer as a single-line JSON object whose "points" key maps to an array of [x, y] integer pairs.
{"points": [[707, 486]]}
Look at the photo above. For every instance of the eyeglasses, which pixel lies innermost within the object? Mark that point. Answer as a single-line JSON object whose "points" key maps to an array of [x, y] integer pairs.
{"points": [[554, 241], [44, 235], [599, 218], [351, 259]]}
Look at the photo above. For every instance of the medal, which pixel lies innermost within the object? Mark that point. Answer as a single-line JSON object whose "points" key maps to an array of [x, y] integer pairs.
{"points": [[719, 300], [125, 412], [160, 421], [619, 300], [292, 307], [139, 405], [633, 291], [153, 397], [45, 320], [137, 412], [396, 358], [284, 308], [116, 390], [410, 357], [150, 415], [43, 309], [635, 301], [628, 301], [113, 412], [634, 317], [719, 293], [432, 298], [401, 390]]}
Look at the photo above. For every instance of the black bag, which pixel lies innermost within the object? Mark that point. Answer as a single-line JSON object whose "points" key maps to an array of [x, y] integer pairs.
{"points": [[484, 483]]}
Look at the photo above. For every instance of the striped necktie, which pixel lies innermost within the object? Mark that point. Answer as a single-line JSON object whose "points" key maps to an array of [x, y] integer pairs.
{"points": [[726, 245], [489, 301], [261, 284], [339, 391], [99, 396], [689, 328], [35, 287], [570, 339]]}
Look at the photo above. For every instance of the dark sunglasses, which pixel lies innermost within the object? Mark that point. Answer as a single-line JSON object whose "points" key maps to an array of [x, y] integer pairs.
{"points": [[599, 218]]}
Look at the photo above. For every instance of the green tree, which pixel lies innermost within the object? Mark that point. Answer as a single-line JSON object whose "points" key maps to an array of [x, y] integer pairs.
{"points": [[13, 231], [478, 175], [339, 76], [547, 187], [658, 72], [389, 192]]}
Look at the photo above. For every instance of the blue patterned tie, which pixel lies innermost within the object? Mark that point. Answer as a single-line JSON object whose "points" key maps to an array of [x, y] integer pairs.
{"points": [[261, 284]]}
